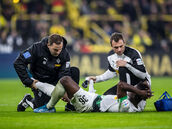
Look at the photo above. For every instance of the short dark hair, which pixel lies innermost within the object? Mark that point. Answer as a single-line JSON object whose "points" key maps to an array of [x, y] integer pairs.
{"points": [[55, 38], [116, 37]]}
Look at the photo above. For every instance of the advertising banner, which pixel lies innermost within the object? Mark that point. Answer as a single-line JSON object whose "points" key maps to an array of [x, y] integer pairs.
{"points": [[157, 64]]}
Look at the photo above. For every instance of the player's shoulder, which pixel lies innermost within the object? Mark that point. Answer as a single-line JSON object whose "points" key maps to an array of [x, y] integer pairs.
{"points": [[112, 56], [129, 51], [65, 53], [40, 48]]}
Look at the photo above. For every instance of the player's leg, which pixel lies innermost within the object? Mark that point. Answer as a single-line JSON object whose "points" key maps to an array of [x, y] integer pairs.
{"points": [[46, 88], [81, 99], [40, 98], [56, 95], [127, 76], [75, 75], [65, 83], [70, 86], [42, 94]]}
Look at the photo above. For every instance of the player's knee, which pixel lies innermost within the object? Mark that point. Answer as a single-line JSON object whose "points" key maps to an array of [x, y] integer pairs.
{"points": [[64, 80], [123, 70], [75, 70], [121, 84]]}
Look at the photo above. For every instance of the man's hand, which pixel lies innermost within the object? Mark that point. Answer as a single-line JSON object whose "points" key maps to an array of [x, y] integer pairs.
{"points": [[92, 78], [33, 86], [145, 90], [145, 94], [87, 81], [65, 98], [121, 63]]}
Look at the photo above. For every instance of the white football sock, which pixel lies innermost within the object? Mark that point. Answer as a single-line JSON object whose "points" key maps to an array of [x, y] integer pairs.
{"points": [[91, 87], [56, 95], [45, 88]]}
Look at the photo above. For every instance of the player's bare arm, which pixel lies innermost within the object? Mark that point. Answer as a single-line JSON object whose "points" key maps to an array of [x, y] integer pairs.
{"points": [[123, 87]]}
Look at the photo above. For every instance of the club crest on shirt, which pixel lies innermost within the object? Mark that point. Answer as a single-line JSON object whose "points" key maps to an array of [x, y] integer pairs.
{"points": [[45, 60], [58, 60]]}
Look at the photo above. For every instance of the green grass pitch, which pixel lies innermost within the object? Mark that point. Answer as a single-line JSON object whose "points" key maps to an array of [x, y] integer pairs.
{"points": [[11, 92]]}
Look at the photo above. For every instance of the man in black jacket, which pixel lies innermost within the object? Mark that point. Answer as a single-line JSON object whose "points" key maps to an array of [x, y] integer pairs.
{"points": [[46, 61]]}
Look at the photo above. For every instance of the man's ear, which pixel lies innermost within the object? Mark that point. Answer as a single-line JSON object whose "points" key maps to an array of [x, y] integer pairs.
{"points": [[124, 43], [48, 44]]}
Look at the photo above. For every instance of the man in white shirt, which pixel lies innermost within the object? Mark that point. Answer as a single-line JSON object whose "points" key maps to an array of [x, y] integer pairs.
{"points": [[123, 61]]}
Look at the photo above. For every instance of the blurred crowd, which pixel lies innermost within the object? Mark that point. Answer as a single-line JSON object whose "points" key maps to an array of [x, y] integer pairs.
{"points": [[146, 24]]}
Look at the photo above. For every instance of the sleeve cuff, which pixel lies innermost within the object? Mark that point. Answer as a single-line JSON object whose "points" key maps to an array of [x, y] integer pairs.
{"points": [[28, 82]]}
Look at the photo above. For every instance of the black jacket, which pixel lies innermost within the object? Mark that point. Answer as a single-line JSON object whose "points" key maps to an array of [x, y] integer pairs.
{"points": [[41, 64]]}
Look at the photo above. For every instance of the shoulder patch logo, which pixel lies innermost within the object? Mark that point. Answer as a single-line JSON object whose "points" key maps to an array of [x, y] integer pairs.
{"points": [[67, 64], [139, 61], [26, 55]]}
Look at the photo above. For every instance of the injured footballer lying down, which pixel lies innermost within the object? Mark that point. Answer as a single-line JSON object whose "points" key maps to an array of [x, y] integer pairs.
{"points": [[128, 99]]}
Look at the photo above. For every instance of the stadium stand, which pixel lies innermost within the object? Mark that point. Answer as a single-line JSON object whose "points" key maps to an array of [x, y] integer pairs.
{"points": [[87, 24]]}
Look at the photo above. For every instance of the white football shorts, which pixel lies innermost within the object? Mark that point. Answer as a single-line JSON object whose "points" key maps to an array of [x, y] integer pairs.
{"points": [[83, 100]]}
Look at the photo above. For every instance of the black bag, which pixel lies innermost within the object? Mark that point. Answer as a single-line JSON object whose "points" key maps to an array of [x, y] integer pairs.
{"points": [[164, 103]]}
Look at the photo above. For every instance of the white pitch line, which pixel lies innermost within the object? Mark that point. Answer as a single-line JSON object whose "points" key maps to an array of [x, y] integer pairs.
{"points": [[138, 127]]}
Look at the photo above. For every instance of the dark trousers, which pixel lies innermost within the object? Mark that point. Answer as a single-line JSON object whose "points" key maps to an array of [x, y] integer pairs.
{"points": [[41, 99], [126, 76]]}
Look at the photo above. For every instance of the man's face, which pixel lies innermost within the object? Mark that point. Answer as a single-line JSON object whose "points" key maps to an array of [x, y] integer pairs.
{"points": [[55, 49], [118, 47]]}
